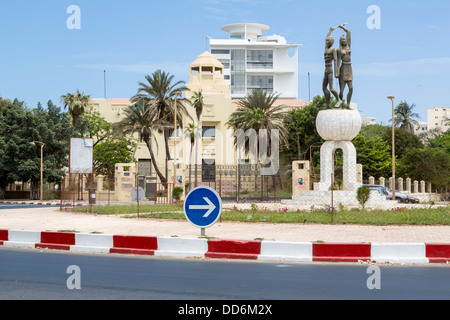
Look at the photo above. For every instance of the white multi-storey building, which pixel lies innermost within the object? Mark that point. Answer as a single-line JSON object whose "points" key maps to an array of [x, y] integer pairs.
{"points": [[252, 60], [421, 128], [438, 118]]}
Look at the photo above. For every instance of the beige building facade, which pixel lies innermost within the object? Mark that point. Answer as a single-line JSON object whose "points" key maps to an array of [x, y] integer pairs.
{"points": [[216, 146]]}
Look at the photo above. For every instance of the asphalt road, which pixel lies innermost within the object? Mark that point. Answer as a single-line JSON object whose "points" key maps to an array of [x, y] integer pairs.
{"points": [[11, 206], [42, 274]]}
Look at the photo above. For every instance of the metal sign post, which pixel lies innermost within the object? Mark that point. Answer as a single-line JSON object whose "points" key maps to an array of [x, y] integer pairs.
{"points": [[203, 207]]}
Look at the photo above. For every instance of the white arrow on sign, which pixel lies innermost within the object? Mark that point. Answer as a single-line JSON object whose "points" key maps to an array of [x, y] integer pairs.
{"points": [[210, 207]]}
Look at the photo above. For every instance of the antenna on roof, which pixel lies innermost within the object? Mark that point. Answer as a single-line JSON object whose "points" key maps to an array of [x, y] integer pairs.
{"points": [[104, 81]]}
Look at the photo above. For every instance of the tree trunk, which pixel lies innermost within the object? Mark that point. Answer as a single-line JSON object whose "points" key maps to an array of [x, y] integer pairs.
{"points": [[2, 192], [166, 142], [196, 151], [34, 190], [190, 165], [277, 183], [160, 175]]}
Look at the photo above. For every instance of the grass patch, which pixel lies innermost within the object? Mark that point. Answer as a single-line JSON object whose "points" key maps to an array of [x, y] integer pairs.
{"points": [[414, 216], [396, 216], [131, 209]]}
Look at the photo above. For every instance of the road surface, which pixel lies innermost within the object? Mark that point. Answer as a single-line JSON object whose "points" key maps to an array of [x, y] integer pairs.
{"points": [[44, 274]]}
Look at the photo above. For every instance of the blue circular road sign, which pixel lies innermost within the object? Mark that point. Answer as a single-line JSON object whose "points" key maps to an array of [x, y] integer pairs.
{"points": [[203, 207]]}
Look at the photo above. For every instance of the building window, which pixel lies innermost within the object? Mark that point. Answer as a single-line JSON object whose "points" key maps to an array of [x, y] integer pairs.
{"points": [[208, 132], [260, 82], [238, 71], [226, 63], [220, 51], [260, 59], [145, 167], [179, 133], [208, 170]]}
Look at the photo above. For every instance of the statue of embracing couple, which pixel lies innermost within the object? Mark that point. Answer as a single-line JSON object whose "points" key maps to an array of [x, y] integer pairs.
{"points": [[340, 59]]}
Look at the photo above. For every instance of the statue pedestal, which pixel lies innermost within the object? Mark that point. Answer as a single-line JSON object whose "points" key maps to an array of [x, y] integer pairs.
{"points": [[338, 124], [338, 127], [345, 198], [327, 165]]}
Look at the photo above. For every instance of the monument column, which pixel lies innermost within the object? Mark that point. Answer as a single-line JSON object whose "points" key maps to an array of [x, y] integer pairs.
{"points": [[338, 127]]}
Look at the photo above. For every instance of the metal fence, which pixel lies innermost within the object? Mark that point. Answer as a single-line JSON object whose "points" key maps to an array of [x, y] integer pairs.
{"points": [[241, 182], [77, 190]]}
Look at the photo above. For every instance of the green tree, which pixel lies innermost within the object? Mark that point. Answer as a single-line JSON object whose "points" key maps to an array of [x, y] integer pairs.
{"points": [[198, 104], [431, 165], [374, 155], [259, 111], [159, 93], [141, 118], [374, 130], [404, 117], [109, 149], [441, 142], [302, 131], [404, 141], [190, 132], [110, 152], [19, 160], [77, 104]]}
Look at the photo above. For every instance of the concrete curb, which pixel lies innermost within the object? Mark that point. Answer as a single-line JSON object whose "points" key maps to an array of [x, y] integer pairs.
{"points": [[44, 203], [230, 249]]}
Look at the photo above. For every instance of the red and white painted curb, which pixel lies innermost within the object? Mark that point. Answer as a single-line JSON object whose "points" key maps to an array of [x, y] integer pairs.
{"points": [[230, 249], [52, 203]]}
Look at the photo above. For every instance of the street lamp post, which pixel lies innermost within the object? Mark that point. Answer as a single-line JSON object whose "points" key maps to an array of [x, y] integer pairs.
{"points": [[393, 148], [42, 166]]}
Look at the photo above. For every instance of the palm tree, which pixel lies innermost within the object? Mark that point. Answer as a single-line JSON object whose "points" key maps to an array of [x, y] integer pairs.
{"points": [[141, 118], [190, 132], [404, 117], [198, 104], [77, 103], [258, 111], [159, 93]]}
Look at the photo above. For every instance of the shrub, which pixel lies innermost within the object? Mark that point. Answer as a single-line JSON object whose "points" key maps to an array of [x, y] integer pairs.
{"points": [[176, 193], [362, 195]]}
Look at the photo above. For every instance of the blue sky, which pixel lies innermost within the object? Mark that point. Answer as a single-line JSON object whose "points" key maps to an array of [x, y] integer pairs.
{"points": [[41, 59]]}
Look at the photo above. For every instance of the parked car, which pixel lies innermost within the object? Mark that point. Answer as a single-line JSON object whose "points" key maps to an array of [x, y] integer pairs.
{"points": [[381, 190], [402, 197]]}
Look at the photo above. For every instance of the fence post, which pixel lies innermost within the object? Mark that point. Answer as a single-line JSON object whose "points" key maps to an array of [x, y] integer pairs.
{"points": [[416, 186], [62, 193], [408, 185], [220, 185], [400, 184]]}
